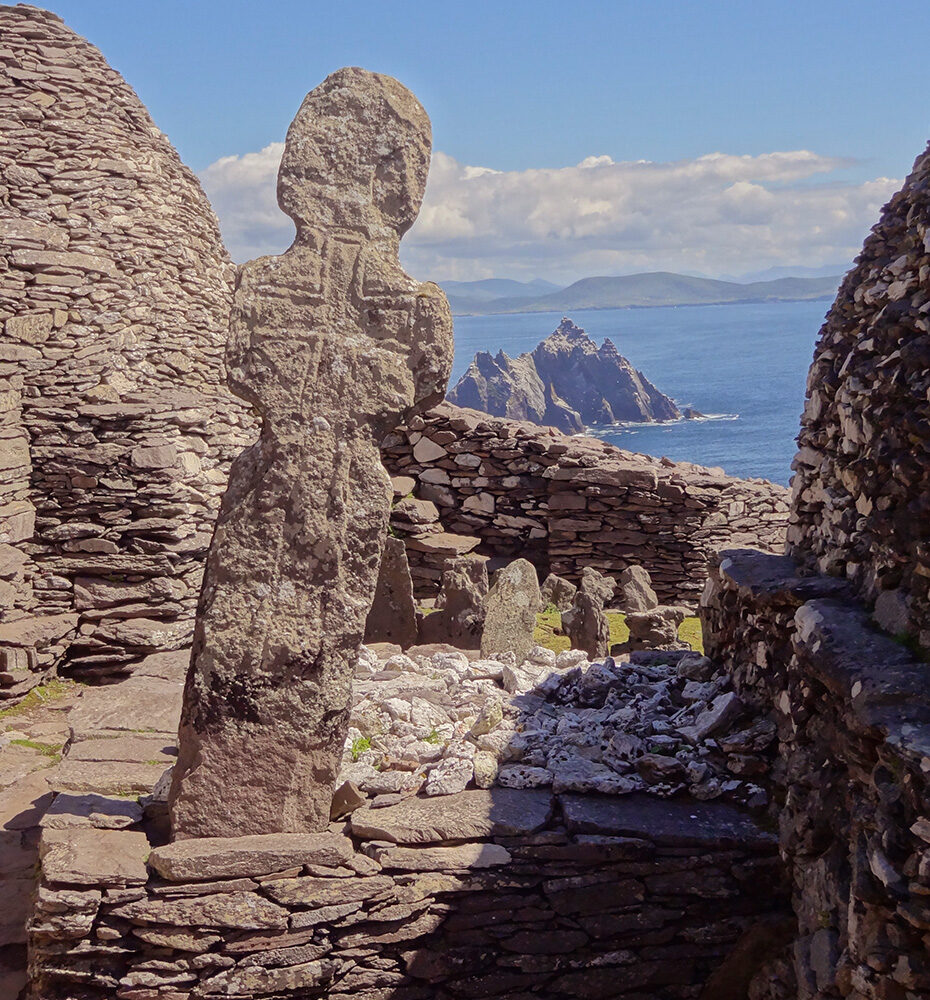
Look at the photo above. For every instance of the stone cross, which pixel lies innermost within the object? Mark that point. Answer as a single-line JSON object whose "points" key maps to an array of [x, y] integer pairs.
{"points": [[334, 344]]}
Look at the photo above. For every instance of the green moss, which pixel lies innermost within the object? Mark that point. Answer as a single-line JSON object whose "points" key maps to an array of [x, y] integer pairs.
{"points": [[41, 695], [359, 745]]}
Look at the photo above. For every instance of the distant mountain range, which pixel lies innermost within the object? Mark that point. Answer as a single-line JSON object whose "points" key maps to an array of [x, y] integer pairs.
{"points": [[654, 288]]}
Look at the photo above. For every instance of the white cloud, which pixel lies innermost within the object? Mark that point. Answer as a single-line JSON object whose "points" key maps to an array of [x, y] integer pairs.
{"points": [[715, 214], [243, 192]]}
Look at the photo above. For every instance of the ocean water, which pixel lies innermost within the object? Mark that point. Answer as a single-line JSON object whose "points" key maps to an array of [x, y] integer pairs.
{"points": [[743, 365]]}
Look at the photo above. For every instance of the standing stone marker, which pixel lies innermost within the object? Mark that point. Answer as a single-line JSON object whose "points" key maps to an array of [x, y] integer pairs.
{"points": [[511, 611], [334, 344], [463, 592], [586, 625], [393, 615], [634, 587]]}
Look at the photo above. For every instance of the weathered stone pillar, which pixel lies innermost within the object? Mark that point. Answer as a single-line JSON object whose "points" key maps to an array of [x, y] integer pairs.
{"points": [[334, 344]]}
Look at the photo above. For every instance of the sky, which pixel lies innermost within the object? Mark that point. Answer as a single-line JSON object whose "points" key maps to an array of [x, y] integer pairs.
{"points": [[715, 137]]}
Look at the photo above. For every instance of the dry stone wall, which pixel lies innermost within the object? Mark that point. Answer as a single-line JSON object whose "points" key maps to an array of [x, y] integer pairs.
{"points": [[850, 774], [509, 489], [861, 505], [117, 428], [498, 893]]}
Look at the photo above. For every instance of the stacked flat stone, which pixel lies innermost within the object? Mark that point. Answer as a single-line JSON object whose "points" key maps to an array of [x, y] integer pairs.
{"points": [[861, 505], [117, 428], [481, 895], [850, 769], [515, 489]]}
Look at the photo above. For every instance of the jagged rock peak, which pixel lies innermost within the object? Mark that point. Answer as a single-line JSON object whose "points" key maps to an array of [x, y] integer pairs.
{"points": [[566, 382]]}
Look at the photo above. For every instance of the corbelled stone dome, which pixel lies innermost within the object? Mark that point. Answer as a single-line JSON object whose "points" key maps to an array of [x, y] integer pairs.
{"points": [[117, 426], [862, 486]]}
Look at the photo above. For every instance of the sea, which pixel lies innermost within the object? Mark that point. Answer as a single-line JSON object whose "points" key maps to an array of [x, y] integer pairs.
{"points": [[744, 366]]}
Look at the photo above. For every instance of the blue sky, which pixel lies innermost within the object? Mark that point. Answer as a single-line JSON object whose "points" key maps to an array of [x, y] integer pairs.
{"points": [[520, 87]]}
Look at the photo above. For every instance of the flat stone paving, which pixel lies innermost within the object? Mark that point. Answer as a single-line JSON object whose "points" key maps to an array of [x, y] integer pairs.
{"points": [[118, 741]]}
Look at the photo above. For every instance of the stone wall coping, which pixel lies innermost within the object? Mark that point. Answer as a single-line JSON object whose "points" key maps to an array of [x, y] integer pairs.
{"points": [[254, 855], [474, 813], [667, 822], [886, 688], [587, 451], [770, 579], [86, 856]]}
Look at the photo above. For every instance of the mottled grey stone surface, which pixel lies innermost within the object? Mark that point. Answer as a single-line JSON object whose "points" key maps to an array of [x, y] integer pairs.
{"points": [[333, 343]]}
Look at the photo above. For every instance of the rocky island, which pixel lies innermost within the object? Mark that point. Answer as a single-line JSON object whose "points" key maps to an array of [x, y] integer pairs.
{"points": [[526, 783], [567, 382]]}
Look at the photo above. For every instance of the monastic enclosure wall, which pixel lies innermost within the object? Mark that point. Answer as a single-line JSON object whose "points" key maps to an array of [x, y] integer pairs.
{"points": [[568, 502], [861, 504], [116, 427], [851, 781], [551, 898]]}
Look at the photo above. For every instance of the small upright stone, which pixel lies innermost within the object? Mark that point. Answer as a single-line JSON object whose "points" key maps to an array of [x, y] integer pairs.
{"points": [[511, 611], [393, 615], [333, 343], [599, 586], [634, 590], [558, 591], [459, 619], [655, 629], [586, 625]]}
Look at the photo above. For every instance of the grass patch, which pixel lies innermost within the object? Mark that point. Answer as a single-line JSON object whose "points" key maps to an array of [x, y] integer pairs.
{"points": [[618, 630], [544, 634], [42, 694], [50, 750], [690, 632], [548, 621], [359, 746], [433, 737]]}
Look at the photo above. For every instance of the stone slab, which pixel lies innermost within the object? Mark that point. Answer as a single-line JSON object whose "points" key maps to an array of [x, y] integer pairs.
{"points": [[85, 856], [241, 910], [102, 812], [136, 705], [769, 578], [23, 803], [464, 857], [206, 858], [467, 815], [666, 822], [139, 747], [314, 892], [113, 777]]}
